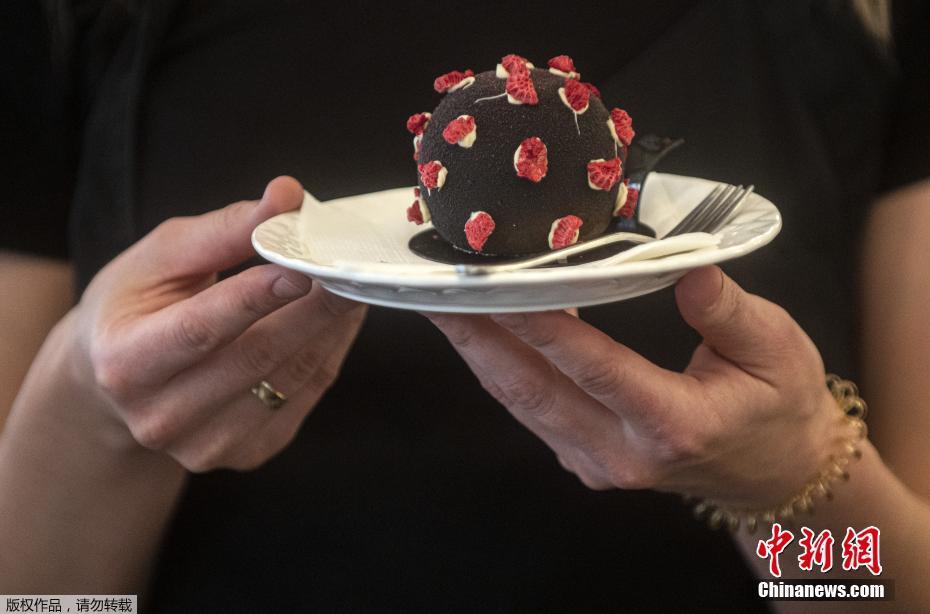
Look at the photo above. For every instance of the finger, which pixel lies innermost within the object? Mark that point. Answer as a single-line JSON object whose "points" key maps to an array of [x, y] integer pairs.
{"points": [[216, 434], [746, 329], [615, 375], [589, 474], [220, 239], [320, 319], [242, 432], [310, 371], [306, 377], [541, 398], [183, 333]]}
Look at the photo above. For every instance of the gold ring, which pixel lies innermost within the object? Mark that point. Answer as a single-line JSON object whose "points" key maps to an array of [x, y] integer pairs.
{"points": [[268, 395]]}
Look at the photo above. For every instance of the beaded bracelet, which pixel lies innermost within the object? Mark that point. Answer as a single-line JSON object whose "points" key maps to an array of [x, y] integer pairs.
{"points": [[853, 411]]}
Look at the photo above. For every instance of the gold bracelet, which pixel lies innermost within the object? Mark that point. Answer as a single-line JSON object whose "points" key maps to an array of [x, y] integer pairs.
{"points": [[852, 411]]}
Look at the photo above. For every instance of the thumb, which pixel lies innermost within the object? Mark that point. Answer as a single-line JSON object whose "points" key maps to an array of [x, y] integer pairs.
{"points": [[744, 328], [219, 239]]}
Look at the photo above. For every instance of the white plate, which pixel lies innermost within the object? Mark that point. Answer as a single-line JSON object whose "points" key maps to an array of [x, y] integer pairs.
{"points": [[357, 247]]}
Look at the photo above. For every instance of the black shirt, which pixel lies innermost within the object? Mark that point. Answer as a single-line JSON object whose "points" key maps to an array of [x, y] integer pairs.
{"points": [[421, 494]]}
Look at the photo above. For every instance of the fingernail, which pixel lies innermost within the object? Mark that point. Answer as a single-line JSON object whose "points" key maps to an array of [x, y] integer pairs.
{"points": [[291, 286], [285, 191]]}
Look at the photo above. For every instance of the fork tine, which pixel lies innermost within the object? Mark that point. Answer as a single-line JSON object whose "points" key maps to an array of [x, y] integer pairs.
{"points": [[686, 221], [707, 213], [712, 220], [711, 213], [704, 210], [727, 210]]}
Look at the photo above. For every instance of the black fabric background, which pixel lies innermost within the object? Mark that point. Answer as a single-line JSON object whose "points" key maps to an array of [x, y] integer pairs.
{"points": [[408, 489]]}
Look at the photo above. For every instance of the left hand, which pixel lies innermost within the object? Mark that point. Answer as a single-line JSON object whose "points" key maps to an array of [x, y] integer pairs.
{"points": [[748, 423]]}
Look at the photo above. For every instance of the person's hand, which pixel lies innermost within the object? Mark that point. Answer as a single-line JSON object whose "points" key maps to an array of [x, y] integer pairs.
{"points": [[748, 422], [173, 354]]}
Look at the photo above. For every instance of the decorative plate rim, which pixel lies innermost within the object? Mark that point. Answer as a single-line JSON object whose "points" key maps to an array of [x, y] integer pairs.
{"points": [[267, 235]]}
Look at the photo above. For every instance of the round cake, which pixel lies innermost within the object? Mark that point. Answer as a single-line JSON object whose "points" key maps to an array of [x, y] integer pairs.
{"points": [[520, 160]]}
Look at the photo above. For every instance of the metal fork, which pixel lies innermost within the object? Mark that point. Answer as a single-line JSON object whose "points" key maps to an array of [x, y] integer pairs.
{"points": [[708, 216]]}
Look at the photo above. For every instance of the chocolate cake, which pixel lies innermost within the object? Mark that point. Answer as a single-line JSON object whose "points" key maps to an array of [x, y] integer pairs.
{"points": [[520, 160]]}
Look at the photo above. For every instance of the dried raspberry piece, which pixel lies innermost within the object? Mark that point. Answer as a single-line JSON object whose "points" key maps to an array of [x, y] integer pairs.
{"points": [[593, 89], [575, 95], [417, 141], [416, 123], [432, 174], [460, 130], [418, 213], [621, 126], [562, 63], [564, 231], [414, 214], [531, 160], [513, 63], [629, 207], [520, 89], [452, 81], [478, 228], [603, 174]]}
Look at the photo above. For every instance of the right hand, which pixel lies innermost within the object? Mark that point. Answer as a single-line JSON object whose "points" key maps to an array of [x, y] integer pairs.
{"points": [[172, 354]]}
